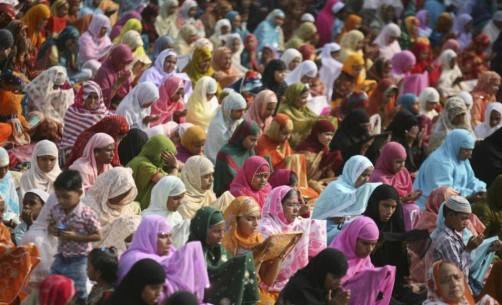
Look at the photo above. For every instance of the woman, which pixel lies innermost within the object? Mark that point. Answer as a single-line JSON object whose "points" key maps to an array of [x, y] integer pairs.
{"points": [[43, 170], [232, 155], [295, 107], [167, 196], [326, 19], [313, 284], [474, 59], [486, 158], [453, 116], [61, 51], [192, 143], [302, 35], [231, 278], [390, 169], [483, 94], [381, 69], [113, 76], [200, 64], [130, 146], [492, 121], [133, 24], [133, 40], [357, 240], [429, 100], [112, 199], [352, 133], [95, 43], [305, 72], [155, 161], [225, 73], [186, 16], [170, 105], [165, 23], [462, 28], [409, 32], [269, 31], [249, 55], [449, 83], [152, 241], [280, 215], [292, 58], [330, 67], [351, 43], [351, 22], [113, 125], [346, 197], [50, 93], [382, 101], [274, 77], [387, 41], [202, 104], [185, 41], [251, 180], [88, 109], [56, 289], [36, 19], [95, 159], [135, 107], [449, 165], [228, 117], [262, 108], [164, 67], [221, 29]]}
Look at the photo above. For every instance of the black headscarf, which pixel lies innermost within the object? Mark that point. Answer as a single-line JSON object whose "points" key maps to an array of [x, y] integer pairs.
{"points": [[350, 131], [306, 287], [486, 158], [131, 145], [268, 79], [144, 272], [402, 122], [396, 222]]}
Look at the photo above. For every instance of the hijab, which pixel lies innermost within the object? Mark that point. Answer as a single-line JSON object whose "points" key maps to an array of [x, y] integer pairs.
{"points": [[434, 292], [289, 55], [484, 129], [225, 76], [429, 94], [384, 169], [132, 106], [241, 185], [487, 157], [165, 106], [193, 68], [32, 19], [156, 73], [396, 222], [56, 289], [268, 79], [200, 110], [387, 51], [257, 109], [165, 24], [306, 68], [311, 143], [349, 44], [35, 178], [330, 67], [130, 146], [91, 46], [454, 106]]}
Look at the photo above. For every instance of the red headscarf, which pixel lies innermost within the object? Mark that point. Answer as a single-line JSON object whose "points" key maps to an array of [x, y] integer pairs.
{"points": [[165, 106], [311, 143], [241, 185], [56, 289]]}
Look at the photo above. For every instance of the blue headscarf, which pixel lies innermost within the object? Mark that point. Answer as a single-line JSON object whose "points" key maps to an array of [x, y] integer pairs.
{"points": [[407, 100], [267, 32]]}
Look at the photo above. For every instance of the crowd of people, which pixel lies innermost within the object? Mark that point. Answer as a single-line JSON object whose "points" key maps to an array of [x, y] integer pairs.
{"points": [[290, 152]]}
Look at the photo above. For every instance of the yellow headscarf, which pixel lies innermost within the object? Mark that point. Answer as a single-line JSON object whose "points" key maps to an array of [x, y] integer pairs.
{"points": [[302, 35], [131, 24], [32, 18], [193, 136], [360, 80], [193, 70]]}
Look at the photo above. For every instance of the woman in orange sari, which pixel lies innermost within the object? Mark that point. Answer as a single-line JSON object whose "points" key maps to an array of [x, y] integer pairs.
{"points": [[274, 146], [36, 19]]}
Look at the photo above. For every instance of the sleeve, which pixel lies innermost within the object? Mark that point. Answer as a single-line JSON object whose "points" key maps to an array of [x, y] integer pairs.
{"points": [[91, 222]]}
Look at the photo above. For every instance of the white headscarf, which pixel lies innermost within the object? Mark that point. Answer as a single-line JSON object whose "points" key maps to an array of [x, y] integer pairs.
{"points": [[131, 105], [387, 51], [429, 94], [218, 36], [156, 73], [330, 68], [448, 74], [35, 178], [166, 24], [289, 55], [484, 129], [308, 68]]}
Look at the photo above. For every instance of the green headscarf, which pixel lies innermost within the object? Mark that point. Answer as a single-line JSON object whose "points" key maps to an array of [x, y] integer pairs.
{"points": [[202, 221]]}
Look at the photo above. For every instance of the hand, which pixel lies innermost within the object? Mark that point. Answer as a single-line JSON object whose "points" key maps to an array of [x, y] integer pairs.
{"points": [[341, 297], [474, 242], [69, 235], [27, 217], [169, 159], [150, 118], [123, 77], [496, 246], [53, 230]]}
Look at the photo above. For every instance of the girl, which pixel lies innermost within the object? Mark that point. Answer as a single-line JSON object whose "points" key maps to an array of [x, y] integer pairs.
{"points": [[102, 267]]}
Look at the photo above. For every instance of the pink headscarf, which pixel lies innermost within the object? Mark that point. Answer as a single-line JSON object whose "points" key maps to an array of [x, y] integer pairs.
{"points": [[324, 22], [165, 107], [401, 180], [86, 164], [403, 62], [257, 108], [90, 45], [241, 185]]}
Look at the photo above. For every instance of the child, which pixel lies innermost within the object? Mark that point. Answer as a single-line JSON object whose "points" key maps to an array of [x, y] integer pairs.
{"points": [[8, 191], [76, 226], [33, 201], [102, 268]]}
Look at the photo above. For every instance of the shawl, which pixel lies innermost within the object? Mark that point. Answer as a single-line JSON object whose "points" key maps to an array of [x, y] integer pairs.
{"points": [[32, 19], [135, 107], [485, 129], [449, 75], [35, 178], [191, 144], [166, 187], [291, 55], [306, 68], [193, 69], [45, 98], [91, 46], [272, 145], [119, 220], [241, 185], [428, 95], [388, 50], [225, 76], [165, 24], [223, 125], [268, 33], [302, 35], [113, 125], [330, 67], [156, 73], [200, 110], [165, 106], [148, 163], [218, 35], [195, 197], [260, 110], [360, 273], [56, 290], [383, 172], [312, 241], [350, 200], [324, 22], [443, 167], [130, 146], [79, 117], [486, 158], [87, 165], [232, 241], [232, 155], [185, 267]]}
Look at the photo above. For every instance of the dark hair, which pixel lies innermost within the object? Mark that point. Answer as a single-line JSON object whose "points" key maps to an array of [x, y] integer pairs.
{"points": [[106, 261], [69, 180], [289, 195], [182, 298], [35, 196]]}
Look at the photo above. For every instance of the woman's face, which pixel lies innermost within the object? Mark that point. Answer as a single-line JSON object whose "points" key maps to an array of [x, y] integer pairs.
{"points": [[279, 21], [391, 97], [236, 45], [225, 30], [179, 94], [105, 154], [494, 86], [209, 96], [169, 63], [46, 163], [151, 294], [72, 45], [415, 107], [356, 69], [291, 207], [226, 61], [301, 101], [459, 119], [192, 12], [325, 137], [332, 282], [197, 147], [164, 242], [215, 234], [260, 180], [250, 142], [495, 117], [451, 283], [171, 10], [453, 62], [248, 224], [204, 64], [206, 181], [386, 208], [412, 134], [429, 106], [236, 22], [174, 202], [364, 177], [118, 202], [392, 39], [284, 135], [102, 32], [294, 63], [365, 247], [307, 80], [91, 102], [397, 165], [359, 45], [269, 110], [62, 10], [279, 76], [236, 114]]}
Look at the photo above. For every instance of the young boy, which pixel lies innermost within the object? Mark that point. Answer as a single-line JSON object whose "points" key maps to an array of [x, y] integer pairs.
{"points": [[76, 226], [33, 201]]}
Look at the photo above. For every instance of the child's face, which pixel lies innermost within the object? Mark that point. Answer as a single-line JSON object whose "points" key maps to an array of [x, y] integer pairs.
{"points": [[92, 273], [32, 204], [68, 199]]}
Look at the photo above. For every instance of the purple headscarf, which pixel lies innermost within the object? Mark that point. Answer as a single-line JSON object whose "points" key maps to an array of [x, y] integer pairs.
{"points": [[91, 46], [118, 26]]}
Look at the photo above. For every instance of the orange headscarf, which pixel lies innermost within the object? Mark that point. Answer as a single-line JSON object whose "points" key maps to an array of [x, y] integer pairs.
{"points": [[433, 284], [32, 18]]}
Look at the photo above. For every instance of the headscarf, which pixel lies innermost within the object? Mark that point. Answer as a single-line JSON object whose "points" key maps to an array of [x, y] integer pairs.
{"points": [[434, 291], [289, 55], [350, 201], [131, 24], [218, 36], [241, 185], [349, 43], [349, 62], [379, 96], [429, 94], [258, 107], [193, 136], [156, 74], [161, 44], [427, 218], [406, 101], [123, 19], [32, 19], [330, 67], [130, 146], [325, 20], [166, 24], [387, 51], [350, 132], [134, 41], [268, 33], [402, 62], [201, 111], [132, 105], [463, 36], [383, 172], [454, 107], [302, 35], [311, 143], [396, 223], [56, 289], [193, 68], [484, 129], [35, 178], [225, 77], [268, 79], [165, 107], [87, 165], [90, 45], [306, 68]]}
